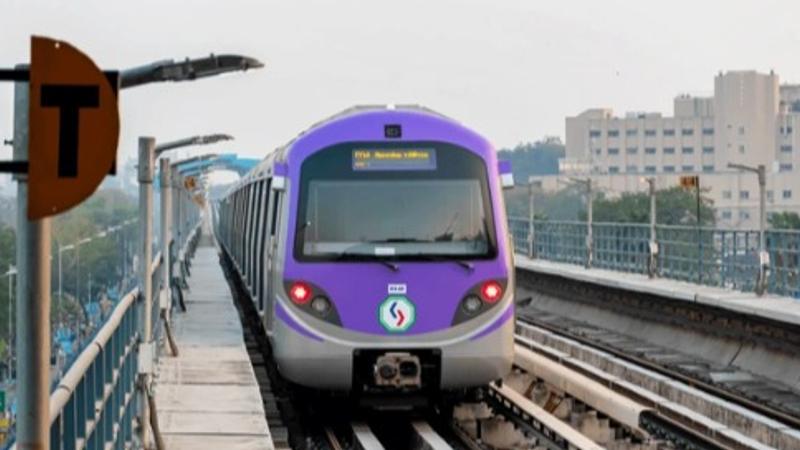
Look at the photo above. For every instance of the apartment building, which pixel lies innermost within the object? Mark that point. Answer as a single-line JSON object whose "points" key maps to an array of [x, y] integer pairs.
{"points": [[751, 119]]}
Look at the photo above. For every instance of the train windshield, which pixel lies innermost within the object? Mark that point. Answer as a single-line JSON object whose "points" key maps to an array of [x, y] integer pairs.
{"points": [[436, 206]]}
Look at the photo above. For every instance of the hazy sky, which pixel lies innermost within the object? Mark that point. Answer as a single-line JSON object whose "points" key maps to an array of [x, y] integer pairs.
{"points": [[512, 69]]}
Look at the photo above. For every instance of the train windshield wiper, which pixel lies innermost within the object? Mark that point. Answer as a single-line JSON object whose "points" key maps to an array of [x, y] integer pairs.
{"points": [[399, 240], [361, 257], [441, 258]]}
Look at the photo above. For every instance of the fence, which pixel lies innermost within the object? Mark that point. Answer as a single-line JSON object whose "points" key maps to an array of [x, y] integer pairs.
{"points": [[94, 404], [709, 256]]}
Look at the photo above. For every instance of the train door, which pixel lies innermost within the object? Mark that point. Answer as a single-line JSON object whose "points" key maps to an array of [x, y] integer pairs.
{"points": [[272, 246], [262, 244]]}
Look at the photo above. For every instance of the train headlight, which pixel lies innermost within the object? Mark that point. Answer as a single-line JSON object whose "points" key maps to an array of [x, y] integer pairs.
{"points": [[471, 304], [321, 305], [300, 292], [491, 291]]}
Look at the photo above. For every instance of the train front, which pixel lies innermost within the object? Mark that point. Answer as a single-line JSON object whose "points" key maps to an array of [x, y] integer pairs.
{"points": [[397, 274]]}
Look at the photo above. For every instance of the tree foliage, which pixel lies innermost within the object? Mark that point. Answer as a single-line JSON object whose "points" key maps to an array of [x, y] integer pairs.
{"points": [[99, 258], [539, 158], [674, 206], [786, 220]]}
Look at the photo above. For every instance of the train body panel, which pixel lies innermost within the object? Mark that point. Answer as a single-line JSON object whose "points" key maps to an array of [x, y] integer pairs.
{"points": [[384, 247]]}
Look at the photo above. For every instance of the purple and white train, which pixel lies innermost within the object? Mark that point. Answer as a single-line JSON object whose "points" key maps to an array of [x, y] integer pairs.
{"points": [[375, 248]]}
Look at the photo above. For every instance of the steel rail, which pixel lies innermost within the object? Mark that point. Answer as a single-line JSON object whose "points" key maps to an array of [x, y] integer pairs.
{"points": [[765, 410], [547, 425]]}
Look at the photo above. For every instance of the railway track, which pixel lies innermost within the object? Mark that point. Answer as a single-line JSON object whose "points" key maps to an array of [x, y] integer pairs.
{"points": [[760, 395], [680, 409], [532, 408], [397, 433]]}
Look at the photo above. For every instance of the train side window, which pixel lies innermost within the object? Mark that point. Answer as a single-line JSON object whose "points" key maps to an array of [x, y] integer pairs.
{"points": [[255, 236], [276, 202], [262, 237], [251, 214], [243, 238]]}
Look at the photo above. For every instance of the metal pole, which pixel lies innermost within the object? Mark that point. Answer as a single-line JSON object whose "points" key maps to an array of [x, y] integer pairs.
{"points": [[589, 220], [762, 208], [78, 289], [60, 290], [530, 219], [166, 235], [699, 233], [33, 312], [652, 245], [763, 255], [146, 159], [10, 335]]}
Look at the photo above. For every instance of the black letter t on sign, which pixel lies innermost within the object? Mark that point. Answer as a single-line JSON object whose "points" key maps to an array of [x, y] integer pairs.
{"points": [[69, 99]]}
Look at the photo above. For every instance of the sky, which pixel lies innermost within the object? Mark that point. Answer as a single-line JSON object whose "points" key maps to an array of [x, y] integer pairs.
{"points": [[510, 69]]}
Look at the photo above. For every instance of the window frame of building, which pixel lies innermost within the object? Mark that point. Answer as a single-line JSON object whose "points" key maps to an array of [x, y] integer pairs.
{"points": [[687, 131], [727, 195], [631, 132], [595, 133], [613, 169], [687, 150], [668, 169], [708, 150], [612, 133], [786, 148], [785, 167], [708, 131], [613, 150], [744, 195], [786, 194], [668, 132], [687, 168], [650, 132], [632, 169], [726, 214], [669, 150], [708, 169], [650, 169], [632, 150]]}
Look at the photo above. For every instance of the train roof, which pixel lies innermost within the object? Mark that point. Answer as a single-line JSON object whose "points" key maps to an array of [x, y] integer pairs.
{"points": [[264, 167]]}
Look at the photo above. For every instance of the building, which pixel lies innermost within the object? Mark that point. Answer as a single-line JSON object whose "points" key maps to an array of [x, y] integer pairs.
{"points": [[751, 119]]}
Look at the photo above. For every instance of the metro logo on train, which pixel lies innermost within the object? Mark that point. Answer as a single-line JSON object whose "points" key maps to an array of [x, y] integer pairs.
{"points": [[397, 314]]}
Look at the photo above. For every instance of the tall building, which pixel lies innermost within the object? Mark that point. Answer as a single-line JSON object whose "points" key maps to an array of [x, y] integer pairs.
{"points": [[751, 119]]}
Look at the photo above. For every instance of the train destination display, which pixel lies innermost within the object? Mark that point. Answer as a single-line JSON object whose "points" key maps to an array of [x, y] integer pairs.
{"points": [[394, 159]]}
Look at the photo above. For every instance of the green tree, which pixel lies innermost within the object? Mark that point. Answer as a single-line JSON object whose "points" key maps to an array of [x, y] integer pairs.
{"points": [[98, 262], [674, 206], [786, 220], [7, 257], [565, 204], [539, 158]]}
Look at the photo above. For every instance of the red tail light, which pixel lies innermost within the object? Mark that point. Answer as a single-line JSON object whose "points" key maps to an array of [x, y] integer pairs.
{"points": [[491, 291], [300, 292]]}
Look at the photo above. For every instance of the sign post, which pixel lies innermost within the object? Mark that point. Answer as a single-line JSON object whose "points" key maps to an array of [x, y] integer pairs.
{"points": [[66, 126], [693, 182]]}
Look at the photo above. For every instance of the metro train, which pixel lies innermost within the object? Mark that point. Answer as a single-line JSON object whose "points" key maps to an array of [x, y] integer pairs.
{"points": [[375, 248]]}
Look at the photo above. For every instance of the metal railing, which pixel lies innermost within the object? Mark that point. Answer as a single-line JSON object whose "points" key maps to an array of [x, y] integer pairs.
{"points": [[710, 256], [93, 404]]}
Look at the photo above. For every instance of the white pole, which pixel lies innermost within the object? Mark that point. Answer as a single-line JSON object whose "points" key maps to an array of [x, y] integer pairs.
{"points": [[146, 160]]}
